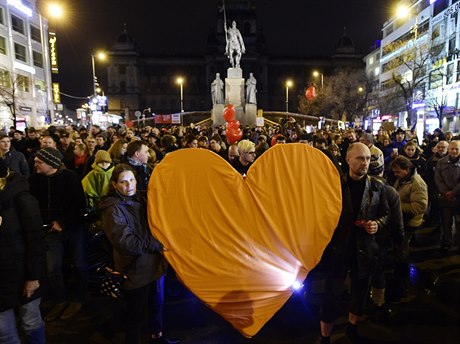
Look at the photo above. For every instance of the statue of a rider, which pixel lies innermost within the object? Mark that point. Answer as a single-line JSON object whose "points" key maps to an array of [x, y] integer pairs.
{"points": [[235, 45]]}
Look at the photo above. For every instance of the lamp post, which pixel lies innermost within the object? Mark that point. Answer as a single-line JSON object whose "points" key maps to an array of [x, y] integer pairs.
{"points": [[100, 56], [317, 74], [180, 81], [288, 84]]}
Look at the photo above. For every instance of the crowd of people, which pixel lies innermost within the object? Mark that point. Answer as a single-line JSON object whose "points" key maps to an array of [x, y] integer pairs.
{"points": [[392, 185]]}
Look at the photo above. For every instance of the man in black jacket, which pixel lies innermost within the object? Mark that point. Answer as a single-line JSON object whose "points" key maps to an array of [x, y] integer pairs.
{"points": [[353, 245], [62, 204]]}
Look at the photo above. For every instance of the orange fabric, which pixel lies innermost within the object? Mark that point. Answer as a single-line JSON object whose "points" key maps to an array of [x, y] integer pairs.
{"points": [[240, 243]]}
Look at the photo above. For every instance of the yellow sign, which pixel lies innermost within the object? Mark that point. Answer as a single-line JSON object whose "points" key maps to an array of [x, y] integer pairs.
{"points": [[56, 93], [53, 53]]}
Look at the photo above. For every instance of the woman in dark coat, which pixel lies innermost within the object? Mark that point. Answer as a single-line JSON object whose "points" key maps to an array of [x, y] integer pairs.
{"points": [[136, 253], [22, 260]]}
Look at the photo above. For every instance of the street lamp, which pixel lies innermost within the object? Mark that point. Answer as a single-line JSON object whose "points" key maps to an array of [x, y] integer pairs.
{"points": [[288, 84], [317, 74], [180, 81], [100, 56]]}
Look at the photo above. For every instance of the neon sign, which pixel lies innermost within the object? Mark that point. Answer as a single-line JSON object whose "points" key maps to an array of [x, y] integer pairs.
{"points": [[17, 4], [56, 93], [53, 53]]}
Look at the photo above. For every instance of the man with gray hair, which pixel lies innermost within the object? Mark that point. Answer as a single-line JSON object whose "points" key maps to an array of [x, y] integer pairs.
{"points": [[376, 153]]}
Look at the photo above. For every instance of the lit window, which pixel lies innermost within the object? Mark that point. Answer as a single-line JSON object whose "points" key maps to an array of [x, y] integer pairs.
{"points": [[5, 80], [2, 45], [371, 60], [23, 83], [377, 71]]}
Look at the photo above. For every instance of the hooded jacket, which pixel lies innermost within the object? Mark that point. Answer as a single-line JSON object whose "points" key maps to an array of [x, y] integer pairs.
{"points": [[136, 252], [22, 246], [96, 184]]}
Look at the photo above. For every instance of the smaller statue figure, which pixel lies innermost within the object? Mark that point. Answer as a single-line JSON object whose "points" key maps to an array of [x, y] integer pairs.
{"points": [[217, 90], [251, 90], [235, 45]]}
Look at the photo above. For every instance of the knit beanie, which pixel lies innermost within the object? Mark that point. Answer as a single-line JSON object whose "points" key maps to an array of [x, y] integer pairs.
{"points": [[50, 156], [102, 156], [376, 166]]}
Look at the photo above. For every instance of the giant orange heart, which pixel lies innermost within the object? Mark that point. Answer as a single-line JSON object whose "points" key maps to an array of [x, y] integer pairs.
{"points": [[240, 243]]}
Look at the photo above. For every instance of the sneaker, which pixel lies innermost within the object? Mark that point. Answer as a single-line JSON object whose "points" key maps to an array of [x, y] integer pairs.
{"points": [[56, 311], [163, 340], [72, 309]]}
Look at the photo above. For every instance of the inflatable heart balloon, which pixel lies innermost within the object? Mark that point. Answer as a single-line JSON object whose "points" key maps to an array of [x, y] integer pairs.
{"points": [[239, 243], [229, 113]]}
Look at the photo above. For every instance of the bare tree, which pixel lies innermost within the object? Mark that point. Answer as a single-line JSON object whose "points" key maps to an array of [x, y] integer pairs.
{"points": [[9, 91], [409, 72], [438, 103], [343, 94]]}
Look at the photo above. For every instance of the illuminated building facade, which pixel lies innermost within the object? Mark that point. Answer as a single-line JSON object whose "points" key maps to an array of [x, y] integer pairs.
{"points": [[25, 72], [419, 55]]}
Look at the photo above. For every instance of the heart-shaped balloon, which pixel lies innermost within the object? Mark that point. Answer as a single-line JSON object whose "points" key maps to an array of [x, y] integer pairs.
{"points": [[240, 243]]}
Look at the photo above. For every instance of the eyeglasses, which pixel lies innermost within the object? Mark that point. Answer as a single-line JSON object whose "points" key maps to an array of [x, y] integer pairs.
{"points": [[252, 153]]}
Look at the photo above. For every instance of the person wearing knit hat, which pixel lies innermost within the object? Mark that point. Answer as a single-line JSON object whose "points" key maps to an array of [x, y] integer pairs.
{"points": [[60, 195], [50, 156], [96, 182], [376, 166], [102, 156]]}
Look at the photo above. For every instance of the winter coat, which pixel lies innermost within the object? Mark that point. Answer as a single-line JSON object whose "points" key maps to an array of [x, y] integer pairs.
{"points": [[413, 192], [22, 246], [395, 226], [96, 184], [374, 207], [447, 178], [17, 162], [136, 252], [60, 196]]}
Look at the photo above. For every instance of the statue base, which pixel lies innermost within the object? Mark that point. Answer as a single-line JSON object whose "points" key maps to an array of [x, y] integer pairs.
{"points": [[250, 115], [217, 114], [234, 73]]}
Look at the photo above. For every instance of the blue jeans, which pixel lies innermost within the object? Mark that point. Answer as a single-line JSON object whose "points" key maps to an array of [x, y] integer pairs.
{"points": [[31, 324], [72, 242]]}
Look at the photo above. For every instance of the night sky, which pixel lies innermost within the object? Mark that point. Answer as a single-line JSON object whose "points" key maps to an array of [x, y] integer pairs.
{"points": [[181, 27]]}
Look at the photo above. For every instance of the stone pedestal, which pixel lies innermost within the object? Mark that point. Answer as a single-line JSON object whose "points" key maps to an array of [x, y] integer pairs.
{"points": [[235, 94], [234, 87], [217, 114], [250, 115]]}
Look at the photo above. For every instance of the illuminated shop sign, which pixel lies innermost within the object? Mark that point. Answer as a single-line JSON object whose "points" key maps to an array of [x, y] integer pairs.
{"points": [[56, 93], [53, 53], [451, 10], [17, 4]]}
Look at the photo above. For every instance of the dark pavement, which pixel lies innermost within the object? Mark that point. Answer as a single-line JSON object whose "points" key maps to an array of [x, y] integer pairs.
{"points": [[429, 314]]}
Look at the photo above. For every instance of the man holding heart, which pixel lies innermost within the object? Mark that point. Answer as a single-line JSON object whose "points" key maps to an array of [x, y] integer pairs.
{"points": [[364, 212]]}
